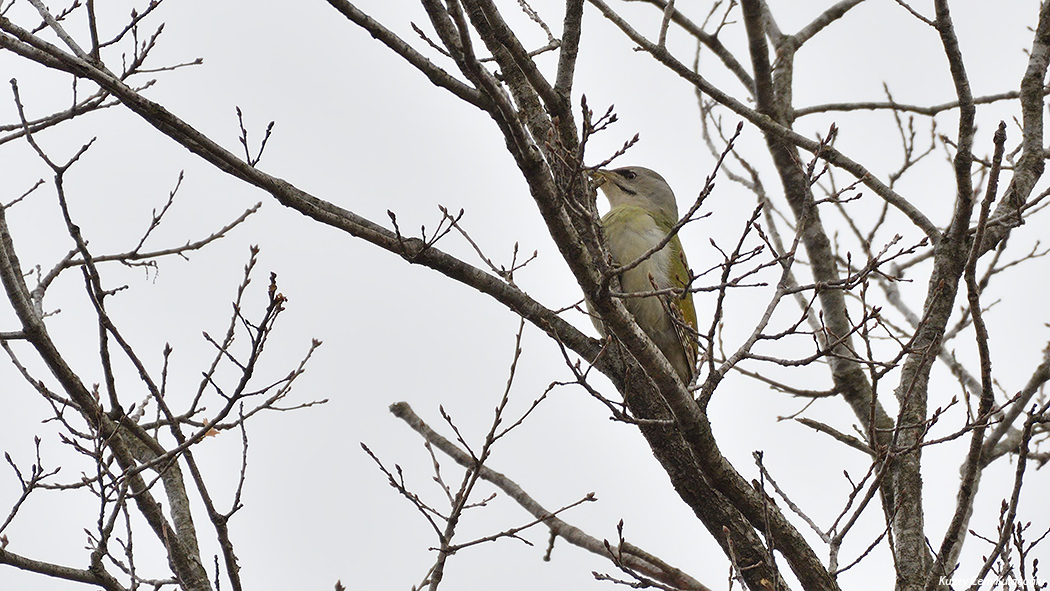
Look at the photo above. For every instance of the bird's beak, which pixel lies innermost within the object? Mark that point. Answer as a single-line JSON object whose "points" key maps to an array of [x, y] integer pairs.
{"points": [[599, 177]]}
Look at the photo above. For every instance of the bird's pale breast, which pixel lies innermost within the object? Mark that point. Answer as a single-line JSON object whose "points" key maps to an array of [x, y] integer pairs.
{"points": [[631, 232]]}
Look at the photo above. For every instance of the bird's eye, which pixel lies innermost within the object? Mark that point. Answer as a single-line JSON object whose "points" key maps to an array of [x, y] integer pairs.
{"points": [[627, 174]]}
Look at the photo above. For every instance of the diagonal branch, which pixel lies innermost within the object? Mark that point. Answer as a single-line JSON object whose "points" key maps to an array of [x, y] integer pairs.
{"points": [[435, 74], [413, 250], [558, 526]]}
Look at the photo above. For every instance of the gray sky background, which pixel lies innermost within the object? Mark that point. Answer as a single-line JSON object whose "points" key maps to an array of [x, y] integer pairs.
{"points": [[357, 126]]}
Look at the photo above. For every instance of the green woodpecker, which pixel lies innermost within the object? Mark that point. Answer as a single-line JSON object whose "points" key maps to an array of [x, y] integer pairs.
{"points": [[643, 213]]}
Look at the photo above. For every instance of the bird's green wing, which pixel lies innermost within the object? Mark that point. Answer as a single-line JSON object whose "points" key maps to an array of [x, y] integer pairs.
{"points": [[684, 312]]}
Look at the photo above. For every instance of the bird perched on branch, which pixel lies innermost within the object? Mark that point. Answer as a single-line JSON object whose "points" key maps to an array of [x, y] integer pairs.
{"points": [[642, 215]]}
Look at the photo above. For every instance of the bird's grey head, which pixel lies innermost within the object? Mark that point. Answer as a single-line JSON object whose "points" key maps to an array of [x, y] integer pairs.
{"points": [[636, 185]]}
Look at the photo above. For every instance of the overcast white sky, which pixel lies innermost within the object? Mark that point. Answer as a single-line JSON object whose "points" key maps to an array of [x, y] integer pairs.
{"points": [[358, 127]]}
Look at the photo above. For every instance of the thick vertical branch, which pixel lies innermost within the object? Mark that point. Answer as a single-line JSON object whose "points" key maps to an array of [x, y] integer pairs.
{"points": [[955, 535], [950, 255], [572, 29], [561, 112], [847, 374], [1030, 166]]}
